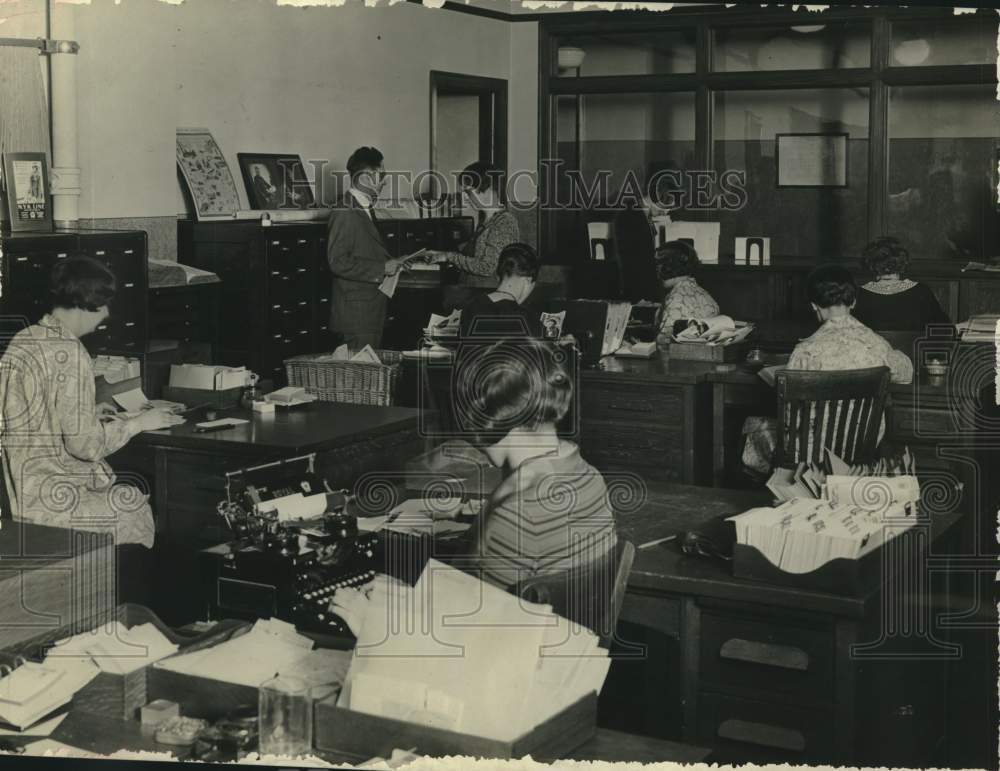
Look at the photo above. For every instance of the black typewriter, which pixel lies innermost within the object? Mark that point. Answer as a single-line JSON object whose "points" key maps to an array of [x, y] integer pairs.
{"points": [[293, 545]]}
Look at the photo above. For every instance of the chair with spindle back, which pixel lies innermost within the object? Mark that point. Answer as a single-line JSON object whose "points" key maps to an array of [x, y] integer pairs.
{"points": [[836, 409], [591, 595]]}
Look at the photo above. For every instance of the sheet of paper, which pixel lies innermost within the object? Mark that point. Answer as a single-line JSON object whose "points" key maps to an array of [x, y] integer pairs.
{"points": [[367, 354], [131, 401], [389, 283]]}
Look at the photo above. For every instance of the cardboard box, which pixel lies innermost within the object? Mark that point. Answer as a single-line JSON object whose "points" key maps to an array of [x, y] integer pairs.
{"points": [[344, 731]]}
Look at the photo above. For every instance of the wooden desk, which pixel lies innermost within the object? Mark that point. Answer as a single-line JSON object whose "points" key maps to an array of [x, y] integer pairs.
{"points": [[741, 682], [106, 736], [645, 416], [186, 472], [50, 577]]}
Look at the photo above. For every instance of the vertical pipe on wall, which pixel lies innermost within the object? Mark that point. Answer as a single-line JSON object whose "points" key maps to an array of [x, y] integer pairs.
{"points": [[62, 95]]}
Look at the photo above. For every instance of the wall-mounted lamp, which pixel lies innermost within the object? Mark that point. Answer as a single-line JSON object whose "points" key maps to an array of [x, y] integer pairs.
{"points": [[912, 52], [571, 58]]}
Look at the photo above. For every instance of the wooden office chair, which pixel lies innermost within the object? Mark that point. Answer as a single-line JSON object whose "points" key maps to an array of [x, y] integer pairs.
{"points": [[838, 409], [591, 595]]}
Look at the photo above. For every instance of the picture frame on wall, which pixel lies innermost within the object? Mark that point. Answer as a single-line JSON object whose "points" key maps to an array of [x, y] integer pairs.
{"points": [[811, 160], [275, 181], [209, 182], [26, 192]]}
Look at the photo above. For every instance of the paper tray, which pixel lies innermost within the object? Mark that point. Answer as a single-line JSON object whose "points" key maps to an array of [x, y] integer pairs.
{"points": [[341, 730], [840, 576]]}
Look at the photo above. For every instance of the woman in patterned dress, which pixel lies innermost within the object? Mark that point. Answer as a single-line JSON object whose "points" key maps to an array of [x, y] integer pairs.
{"points": [[890, 301], [841, 342], [54, 437], [677, 263], [496, 227]]}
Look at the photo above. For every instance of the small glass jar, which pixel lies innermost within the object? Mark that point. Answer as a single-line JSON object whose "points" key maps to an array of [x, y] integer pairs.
{"points": [[285, 717]]}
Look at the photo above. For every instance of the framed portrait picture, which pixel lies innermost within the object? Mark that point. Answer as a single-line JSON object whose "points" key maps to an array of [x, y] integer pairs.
{"points": [[275, 181], [811, 160], [210, 184], [26, 191]]}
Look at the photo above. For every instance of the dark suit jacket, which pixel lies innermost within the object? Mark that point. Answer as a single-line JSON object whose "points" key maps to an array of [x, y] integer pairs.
{"points": [[357, 255]]}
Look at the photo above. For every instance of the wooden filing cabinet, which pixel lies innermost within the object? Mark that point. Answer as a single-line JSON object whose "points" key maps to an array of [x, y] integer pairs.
{"points": [[276, 284], [28, 260]]}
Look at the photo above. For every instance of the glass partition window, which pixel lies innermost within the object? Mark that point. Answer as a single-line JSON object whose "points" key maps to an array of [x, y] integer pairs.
{"points": [[943, 170], [807, 47], [930, 43], [668, 52], [624, 139], [825, 222]]}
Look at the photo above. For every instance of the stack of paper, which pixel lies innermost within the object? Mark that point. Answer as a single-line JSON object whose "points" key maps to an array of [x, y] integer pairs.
{"points": [[637, 350], [115, 648], [32, 691], [717, 330], [116, 368], [431, 516], [289, 396], [270, 646], [809, 480], [979, 329], [208, 377], [468, 657]]}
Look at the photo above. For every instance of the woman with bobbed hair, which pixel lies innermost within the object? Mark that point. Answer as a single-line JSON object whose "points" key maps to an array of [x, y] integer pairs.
{"points": [[501, 314], [841, 342], [55, 437], [496, 226], [551, 512], [890, 301], [677, 267]]}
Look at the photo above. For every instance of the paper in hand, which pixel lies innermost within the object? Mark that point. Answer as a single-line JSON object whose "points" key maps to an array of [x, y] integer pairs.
{"points": [[131, 401]]}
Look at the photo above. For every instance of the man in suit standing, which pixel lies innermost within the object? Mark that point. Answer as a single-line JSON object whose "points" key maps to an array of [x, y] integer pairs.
{"points": [[358, 257]]}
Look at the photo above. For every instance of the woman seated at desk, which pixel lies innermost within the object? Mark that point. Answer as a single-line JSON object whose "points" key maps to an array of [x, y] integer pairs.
{"points": [[496, 227], [55, 438], [890, 301], [500, 314], [677, 264], [841, 342], [551, 513]]}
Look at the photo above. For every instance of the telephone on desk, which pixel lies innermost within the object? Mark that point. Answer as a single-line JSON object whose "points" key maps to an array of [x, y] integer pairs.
{"points": [[283, 563]]}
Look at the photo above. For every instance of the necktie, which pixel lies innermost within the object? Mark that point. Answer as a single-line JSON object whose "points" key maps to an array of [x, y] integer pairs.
{"points": [[371, 211]]}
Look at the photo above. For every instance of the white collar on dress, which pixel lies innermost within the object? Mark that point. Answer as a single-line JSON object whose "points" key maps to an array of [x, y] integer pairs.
{"points": [[886, 286]]}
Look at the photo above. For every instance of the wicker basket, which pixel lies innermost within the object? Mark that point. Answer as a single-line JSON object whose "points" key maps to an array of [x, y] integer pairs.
{"points": [[353, 382]]}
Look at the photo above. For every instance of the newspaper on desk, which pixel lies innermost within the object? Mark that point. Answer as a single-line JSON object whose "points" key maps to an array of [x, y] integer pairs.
{"points": [[434, 671]]}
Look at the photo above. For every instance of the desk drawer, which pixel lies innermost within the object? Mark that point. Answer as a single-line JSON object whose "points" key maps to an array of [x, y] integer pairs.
{"points": [[907, 422], [631, 402], [789, 731], [621, 444], [766, 657]]}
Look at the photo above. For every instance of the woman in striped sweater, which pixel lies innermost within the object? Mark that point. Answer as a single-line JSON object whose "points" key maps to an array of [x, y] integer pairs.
{"points": [[551, 512]]}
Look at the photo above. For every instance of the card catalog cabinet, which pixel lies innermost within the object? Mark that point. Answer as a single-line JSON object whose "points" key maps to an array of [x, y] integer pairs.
{"points": [[28, 260], [276, 284]]}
